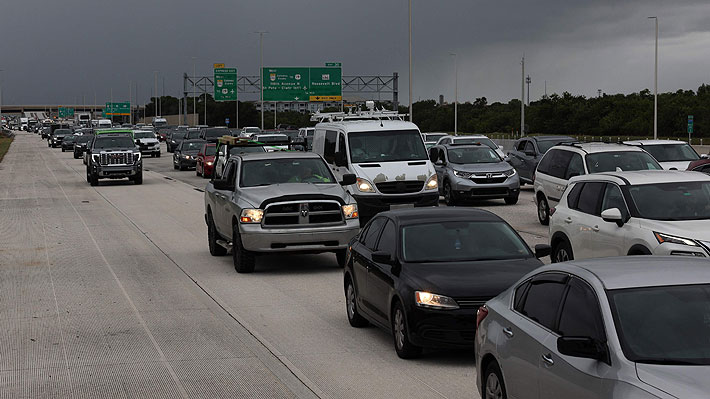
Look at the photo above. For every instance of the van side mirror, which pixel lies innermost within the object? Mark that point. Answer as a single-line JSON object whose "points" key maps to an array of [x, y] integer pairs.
{"points": [[584, 347], [340, 159], [613, 215], [348, 179]]}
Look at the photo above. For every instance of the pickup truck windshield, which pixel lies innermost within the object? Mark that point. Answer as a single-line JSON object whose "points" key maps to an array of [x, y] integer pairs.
{"points": [[279, 171], [113, 142], [386, 146]]}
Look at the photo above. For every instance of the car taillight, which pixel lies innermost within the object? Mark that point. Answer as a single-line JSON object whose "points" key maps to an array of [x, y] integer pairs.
{"points": [[552, 210], [481, 314]]}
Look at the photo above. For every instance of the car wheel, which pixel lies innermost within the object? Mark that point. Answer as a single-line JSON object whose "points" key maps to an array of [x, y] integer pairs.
{"points": [[76, 156], [449, 196], [493, 385], [512, 200], [180, 166], [404, 348], [562, 252], [342, 256], [212, 235], [63, 150], [354, 317], [93, 179], [244, 260], [138, 179], [543, 211], [157, 155]]}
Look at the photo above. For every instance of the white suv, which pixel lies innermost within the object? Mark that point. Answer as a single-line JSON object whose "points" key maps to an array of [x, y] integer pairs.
{"points": [[472, 139], [565, 161], [632, 213], [671, 154]]}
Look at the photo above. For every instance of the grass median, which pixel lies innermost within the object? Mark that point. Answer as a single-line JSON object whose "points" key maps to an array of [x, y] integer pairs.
{"points": [[4, 145]]}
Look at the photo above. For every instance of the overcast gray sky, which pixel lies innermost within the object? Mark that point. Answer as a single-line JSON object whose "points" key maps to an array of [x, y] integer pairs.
{"points": [[57, 51]]}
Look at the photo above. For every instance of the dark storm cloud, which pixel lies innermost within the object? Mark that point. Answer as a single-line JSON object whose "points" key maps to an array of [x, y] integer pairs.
{"points": [[57, 52]]}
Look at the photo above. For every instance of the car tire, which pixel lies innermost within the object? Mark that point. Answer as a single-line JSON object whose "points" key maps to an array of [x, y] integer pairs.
{"points": [[76, 156], [212, 236], [342, 256], [543, 211], [93, 179], [404, 348], [354, 317], [180, 166], [244, 260], [512, 200], [63, 150], [562, 252], [449, 195], [493, 384], [157, 155], [138, 179]]}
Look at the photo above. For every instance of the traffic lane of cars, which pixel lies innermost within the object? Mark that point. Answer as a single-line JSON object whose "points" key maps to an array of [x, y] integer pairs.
{"points": [[296, 303]]}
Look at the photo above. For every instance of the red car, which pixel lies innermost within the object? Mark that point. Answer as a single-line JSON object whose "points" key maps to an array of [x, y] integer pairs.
{"points": [[701, 165], [205, 160]]}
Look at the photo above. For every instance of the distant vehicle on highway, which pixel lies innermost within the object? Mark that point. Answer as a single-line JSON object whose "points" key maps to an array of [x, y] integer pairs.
{"points": [[68, 142], [270, 140], [147, 142], [114, 156], [249, 130], [56, 138], [307, 134], [633, 213], [204, 165], [104, 124], [565, 161], [228, 146], [211, 134], [386, 153], [80, 144], [701, 165], [278, 202], [174, 138], [473, 171], [472, 139], [159, 122], [430, 139], [593, 329], [185, 155], [423, 273], [527, 152], [671, 154]]}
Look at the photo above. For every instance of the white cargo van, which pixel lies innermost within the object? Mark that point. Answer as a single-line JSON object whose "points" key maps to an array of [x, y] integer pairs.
{"points": [[104, 123], [387, 155]]}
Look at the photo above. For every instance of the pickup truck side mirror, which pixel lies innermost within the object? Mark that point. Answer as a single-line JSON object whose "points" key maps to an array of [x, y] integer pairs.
{"points": [[222, 185], [348, 179]]}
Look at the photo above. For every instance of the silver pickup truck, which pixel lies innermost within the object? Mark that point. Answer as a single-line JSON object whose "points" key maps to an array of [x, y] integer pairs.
{"points": [[278, 202]]}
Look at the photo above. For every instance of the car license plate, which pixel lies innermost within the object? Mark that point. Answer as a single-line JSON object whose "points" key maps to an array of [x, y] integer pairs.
{"points": [[401, 206]]}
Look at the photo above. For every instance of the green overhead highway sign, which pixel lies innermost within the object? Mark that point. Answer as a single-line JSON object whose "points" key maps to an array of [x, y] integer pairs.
{"points": [[302, 84], [690, 124], [65, 112], [117, 109], [333, 64], [225, 84]]}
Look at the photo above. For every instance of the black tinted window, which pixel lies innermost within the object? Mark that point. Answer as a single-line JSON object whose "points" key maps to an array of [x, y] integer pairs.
{"points": [[373, 232], [544, 165], [559, 163], [388, 239], [576, 167], [519, 296], [529, 147], [520, 146], [329, 147], [543, 299], [573, 196], [589, 198], [614, 199], [580, 315]]}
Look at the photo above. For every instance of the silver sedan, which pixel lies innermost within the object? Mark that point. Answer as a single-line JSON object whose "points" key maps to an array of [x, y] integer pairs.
{"points": [[631, 327]]}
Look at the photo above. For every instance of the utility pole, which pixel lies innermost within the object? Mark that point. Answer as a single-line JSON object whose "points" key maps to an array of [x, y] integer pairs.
{"points": [[599, 93], [411, 115], [155, 94], [528, 80], [545, 89], [112, 106], [161, 97], [456, 93], [522, 98], [130, 102], [261, 72], [655, 87], [194, 100], [1, 75]]}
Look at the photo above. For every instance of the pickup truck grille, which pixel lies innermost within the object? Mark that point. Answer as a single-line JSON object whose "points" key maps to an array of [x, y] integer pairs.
{"points": [[303, 213], [116, 158], [400, 187]]}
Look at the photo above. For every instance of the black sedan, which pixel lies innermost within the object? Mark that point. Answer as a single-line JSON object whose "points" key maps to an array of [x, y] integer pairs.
{"points": [[80, 144], [68, 142], [423, 273], [185, 155]]}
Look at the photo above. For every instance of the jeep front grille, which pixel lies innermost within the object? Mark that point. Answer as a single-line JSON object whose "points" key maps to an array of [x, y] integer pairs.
{"points": [[116, 158], [303, 213]]}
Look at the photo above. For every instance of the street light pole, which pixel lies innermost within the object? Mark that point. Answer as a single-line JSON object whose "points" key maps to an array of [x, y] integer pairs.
{"points": [[456, 93], [528, 80], [155, 94], [522, 98], [261, 73], [1, 75], [194, 100], [655, 87], [411, 115]]}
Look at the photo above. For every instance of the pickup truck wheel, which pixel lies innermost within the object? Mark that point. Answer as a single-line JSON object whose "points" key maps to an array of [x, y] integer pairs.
{"points": [[93, 179], [244, 260], [63, 150], [138, 179], [342, 256], [215, 249]]}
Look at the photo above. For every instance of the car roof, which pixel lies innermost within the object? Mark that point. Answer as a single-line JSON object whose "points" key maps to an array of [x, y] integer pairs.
{"points": [[641, 271], [256, 156], [590, 148], [369, 125], [413, 216], [105, 131], [654, 142], [644, 177], [551, 138]]}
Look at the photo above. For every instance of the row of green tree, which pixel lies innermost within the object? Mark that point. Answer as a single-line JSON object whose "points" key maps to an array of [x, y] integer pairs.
{"points": [[566, 114]]}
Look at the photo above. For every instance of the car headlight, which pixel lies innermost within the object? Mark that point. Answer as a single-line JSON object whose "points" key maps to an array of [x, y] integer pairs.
{"points": [[250, 215], [95, 157], [674, 239], [509, 173], [209, 163], [462, 174], [432, 183], [172, 141], [364, 186], [428, 300], [186, 156], [350, 211]]}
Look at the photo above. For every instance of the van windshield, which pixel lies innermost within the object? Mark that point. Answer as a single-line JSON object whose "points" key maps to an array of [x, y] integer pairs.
{"points": [[386, 146]]}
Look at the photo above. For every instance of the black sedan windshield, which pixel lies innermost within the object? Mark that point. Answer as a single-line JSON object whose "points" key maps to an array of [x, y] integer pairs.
{"points": [[386, 146], [467, 155], [113, 142], [672, 152], [462, 241], [192, 146], [215, 133], [672, 201], [679, 336], [615, 161], [279, 171]]}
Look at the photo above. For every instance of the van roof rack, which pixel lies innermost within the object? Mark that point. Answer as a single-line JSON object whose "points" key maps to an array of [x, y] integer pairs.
{"points": [[372, 113]]}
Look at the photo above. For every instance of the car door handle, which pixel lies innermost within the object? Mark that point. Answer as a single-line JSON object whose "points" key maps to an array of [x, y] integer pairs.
{"points": [[595, 228], [507, 331], [568, 220], [548, 360]]}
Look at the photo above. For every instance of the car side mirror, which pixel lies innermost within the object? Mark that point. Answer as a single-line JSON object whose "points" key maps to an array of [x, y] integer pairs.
{"points": [[613, 215], [348, 179], [506, 158], [704, 156], [340, 159], [382, 257], [433, 155], [542, 250], [222, 185], [584, 347], [501, 147]]}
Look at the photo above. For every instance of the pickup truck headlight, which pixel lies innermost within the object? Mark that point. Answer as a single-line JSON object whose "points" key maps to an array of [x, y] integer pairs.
{"points": [[95, 157], [509, 173], [350, 211], [364, 186], [674, 239], [461, 174], [432, 183], [250, 215], [428, 300]]}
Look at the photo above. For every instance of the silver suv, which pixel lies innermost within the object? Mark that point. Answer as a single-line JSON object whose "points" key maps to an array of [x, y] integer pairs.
{"points": [[565, 161]]}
